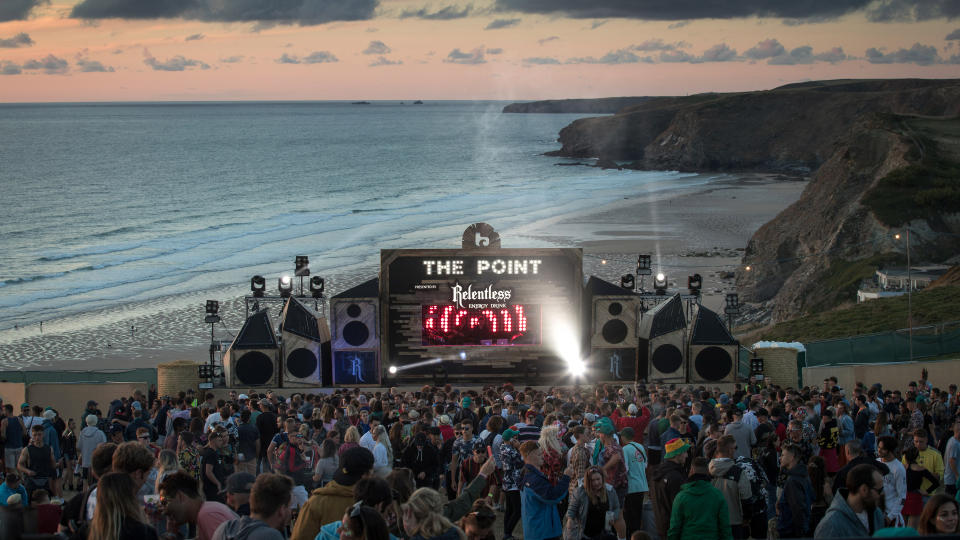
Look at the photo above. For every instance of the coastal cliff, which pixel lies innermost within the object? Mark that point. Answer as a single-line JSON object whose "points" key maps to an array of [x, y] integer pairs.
{"points": [[576, 106]]}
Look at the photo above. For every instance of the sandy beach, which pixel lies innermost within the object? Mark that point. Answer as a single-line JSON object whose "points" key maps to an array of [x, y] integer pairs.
{"points": [[700, 230]]}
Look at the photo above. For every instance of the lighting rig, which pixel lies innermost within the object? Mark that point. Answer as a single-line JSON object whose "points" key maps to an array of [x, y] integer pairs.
{"points": [[285, 288], [208, 371], [732, 309], [660, 284]]}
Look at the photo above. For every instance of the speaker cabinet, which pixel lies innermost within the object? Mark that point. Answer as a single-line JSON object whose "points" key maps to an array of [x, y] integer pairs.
{"points": [[253, 358], [714, 352], [608, 364], [663, 341], [355, 339], [302, 333], [612, 322]]}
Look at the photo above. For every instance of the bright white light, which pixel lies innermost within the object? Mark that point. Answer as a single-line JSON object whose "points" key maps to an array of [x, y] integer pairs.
{"points": [[661, 277], [463, 355], [577, 367], [393, 370], [285, 280]]}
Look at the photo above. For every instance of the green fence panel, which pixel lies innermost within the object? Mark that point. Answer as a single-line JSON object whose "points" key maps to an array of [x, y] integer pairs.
{"points": [[927, 342], [871, 348]]}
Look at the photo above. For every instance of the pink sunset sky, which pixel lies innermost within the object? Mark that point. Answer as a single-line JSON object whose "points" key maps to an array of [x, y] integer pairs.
{"points": [[145, 50]]}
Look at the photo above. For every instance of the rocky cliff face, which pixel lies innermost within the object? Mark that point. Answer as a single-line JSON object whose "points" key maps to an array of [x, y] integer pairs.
{"points": [[575, 106]]}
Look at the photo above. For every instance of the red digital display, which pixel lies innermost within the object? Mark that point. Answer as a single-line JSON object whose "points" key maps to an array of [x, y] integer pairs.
{"points": [[509, 325]]}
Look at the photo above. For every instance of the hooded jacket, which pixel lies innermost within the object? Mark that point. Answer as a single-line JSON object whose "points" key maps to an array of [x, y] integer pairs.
{"points": [[699, 512], [733, 483], [246, 528], [580, 506], [90, 438], [665, 481], [539, 500], [51, 438], [326, 504], [793, 506], [841, 522]]}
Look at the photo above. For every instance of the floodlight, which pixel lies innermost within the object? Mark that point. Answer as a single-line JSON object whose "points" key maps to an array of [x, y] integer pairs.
{"points": [[733, 304], [258, 285], [285, 286], [643, 265], [316, 286], [302, 265], [694, 284], [213, 307], [627, 281], [393, 370], [660, 283]]}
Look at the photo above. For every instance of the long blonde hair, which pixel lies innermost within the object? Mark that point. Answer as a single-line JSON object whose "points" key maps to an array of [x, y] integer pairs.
{"points": [[352, 435], [116, 502], [425, 505], [595, 498], [549, 438]]}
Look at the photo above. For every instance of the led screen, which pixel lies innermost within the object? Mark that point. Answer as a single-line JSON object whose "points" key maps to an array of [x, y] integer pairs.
{"points": [[507, 325]]}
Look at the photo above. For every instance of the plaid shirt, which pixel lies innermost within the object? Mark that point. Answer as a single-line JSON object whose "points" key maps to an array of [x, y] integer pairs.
{"points": [[579, 461]]}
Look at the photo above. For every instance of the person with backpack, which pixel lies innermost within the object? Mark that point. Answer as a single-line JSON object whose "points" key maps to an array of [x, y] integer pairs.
{"points": [[635, 457], [728, 477]]}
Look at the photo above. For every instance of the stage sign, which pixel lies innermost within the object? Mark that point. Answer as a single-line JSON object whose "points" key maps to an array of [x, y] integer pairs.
{"points": [[477, 314]]}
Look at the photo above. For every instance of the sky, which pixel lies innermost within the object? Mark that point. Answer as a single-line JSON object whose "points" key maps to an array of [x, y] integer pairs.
{"points": [[187, 50]]}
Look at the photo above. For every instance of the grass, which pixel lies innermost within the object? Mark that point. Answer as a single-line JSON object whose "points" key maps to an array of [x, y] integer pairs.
{"points": [[844, 277], [930, 306]]}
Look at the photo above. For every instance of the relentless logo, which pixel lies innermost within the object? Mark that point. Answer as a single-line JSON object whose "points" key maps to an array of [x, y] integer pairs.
{"points": [[460, 294]]}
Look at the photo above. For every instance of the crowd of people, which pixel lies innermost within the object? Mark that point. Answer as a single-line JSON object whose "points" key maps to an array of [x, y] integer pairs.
{"points": [[601, 462]]}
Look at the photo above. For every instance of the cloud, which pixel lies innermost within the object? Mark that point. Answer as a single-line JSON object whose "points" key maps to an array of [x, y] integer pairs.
{"points": [[678, 24], [597, 24], [673, 10], [720, 52], [232, 59], [372, 30], [547, 39], [384, 61], [18, 10], [50, 64], [767, 48], [268, 12], [922, 55], [445, 13], [475, 56], [287, 59], [316, 57], [377, 47], [91, 66], [953, 35], [20, 40], [541, 60], [177, 63], [672, 57], [659, 45], [804, 55], [495, 50], [9, 68], [621, 56], [912, 10], [194, 37], [502, 23]]}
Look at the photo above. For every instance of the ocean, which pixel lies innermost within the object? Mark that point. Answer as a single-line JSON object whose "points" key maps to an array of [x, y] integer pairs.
{"points": [[114, 214]]}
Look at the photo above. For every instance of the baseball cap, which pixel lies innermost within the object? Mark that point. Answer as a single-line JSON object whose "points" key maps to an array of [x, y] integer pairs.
{"points": [[243, 396], [507, 397], [632, 409], [116, 428], [354, 463], [590, 417], [605, 426], [240, 482], [509, 433]]}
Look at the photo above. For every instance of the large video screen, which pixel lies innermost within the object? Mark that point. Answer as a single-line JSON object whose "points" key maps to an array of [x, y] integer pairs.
{"points": [[449, 325]]}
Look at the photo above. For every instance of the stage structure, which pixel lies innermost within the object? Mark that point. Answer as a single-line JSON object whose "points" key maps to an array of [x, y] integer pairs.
{"points": [[612, 315], [714, 352], [663, 341]]}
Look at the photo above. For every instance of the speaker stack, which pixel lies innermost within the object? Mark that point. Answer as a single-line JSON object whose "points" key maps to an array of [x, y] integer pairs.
{"points": [[613, 331], [252, 358], [355, 339], [303, 334], [663, 341], [714, 352]]}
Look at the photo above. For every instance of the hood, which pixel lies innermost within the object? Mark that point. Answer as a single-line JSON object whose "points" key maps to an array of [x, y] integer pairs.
{"points": [[241, 529], [333, 489], [720, 466], [89, 431], [698, 487], [665, 468], [842, 511], [799, 470]]}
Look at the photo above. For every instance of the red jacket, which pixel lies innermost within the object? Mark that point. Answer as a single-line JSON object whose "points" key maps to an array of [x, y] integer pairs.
{"points": [[638, 423], [446, 432]]}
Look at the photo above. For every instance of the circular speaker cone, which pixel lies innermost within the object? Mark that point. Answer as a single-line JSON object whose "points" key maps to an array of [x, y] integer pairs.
{"points": [[301, 363], [667, 359], [713, 364], [353, 310], [355, 333], [614, 331], [615, 308], [254, 368]]}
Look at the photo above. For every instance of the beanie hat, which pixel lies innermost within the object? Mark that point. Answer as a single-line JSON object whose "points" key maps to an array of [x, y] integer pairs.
{"points": [[675, 447], [466, 402], [605, 426], [632, 409]]}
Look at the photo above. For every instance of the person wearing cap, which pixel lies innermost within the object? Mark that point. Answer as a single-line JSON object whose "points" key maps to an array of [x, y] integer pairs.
{"points": [[636, 459], [91, 409], [635, 418], [238, 492], [665, 481], [539, 498], [608, 455], [512, 464], [328, 503], [466, 413]]}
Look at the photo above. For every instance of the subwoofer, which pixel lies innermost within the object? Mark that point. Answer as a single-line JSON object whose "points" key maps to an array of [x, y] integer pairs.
{"points": [[613, 335], [355, 339], [714, 352], [663, 343], [252, 359], [302, 333]]}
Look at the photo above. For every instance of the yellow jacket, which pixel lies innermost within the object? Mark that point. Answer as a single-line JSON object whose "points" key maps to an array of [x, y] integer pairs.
{"points": [[931, 460], [326, 505]]}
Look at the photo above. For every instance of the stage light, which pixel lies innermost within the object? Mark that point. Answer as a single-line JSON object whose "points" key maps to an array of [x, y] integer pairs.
{"points": [[896, 236], [756, 366], [301, 265], [316, 286], [643, 265], [660, 283], [694, 284], [258, 285], [627, 281], [393, 370], [577, 367], [285, 286], [603, 261], [463, 355], [212, 308], [747, 268]]}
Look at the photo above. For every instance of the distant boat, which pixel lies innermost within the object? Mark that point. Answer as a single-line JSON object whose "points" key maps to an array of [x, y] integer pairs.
{"points": [[360, 103], [418, 102]]}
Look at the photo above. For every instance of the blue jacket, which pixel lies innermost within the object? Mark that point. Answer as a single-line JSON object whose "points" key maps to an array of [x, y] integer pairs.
{"points": [[539, 499], [6, 492], [841, 522], [51, 439], [793, 506]]}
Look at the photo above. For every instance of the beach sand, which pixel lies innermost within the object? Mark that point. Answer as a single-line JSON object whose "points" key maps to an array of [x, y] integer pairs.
{"points": [[698, 230]]}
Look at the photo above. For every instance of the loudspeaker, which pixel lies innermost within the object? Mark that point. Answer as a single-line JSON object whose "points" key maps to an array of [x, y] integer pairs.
{"points": [[355, 340], [612, 364], [714, 352], [302, 334], [612, 321], [663, 343], [253, 357]]}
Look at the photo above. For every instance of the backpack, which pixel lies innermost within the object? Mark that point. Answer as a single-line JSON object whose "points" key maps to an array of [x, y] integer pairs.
{"points": [[757, 503]]}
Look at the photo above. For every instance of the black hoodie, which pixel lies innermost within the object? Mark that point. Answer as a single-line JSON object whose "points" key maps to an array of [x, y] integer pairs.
{"points": [[665, 481]]}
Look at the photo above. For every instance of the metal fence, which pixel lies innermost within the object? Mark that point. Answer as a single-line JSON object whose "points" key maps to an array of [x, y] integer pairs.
{"points": [[147, 375], [928, 342]]}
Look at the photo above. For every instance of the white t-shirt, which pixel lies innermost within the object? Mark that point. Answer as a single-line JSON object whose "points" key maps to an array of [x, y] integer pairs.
{"points": [[865, 519], [367, 441]]}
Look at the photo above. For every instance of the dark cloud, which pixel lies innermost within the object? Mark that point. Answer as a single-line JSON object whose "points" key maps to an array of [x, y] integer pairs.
{"points": [[833, 56], [9, 68], [232, 59], [680, 10], [475, 56], [194, 37], [541, 60], [20, 40], [92, 66], [316, 57], [953, 35], [287, 59], [384, 61], [767, 48], [502, 23], [678, 24], [923, 55], [495, 50], [659, 45], [265, 12], [720, 52], [547, 39], [377, 47], [177, 63], [50, 64], [672, 57], [913, 10], [18, 10], [597, 24], [445, 13]]}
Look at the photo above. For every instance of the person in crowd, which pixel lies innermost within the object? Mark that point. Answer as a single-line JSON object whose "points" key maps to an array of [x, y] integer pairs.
{"points": [[382, 451], [528, 429], [351, 439], [795, 503], [479, 523], [266, 424], [940, 516], [462, 450], [512, 463], [248, 443], [929, 458], [11, 485], [853, 451], [269, 510], [733, 483], [594, 510], [951, 459], [423, 459], [828, 439], [470, 468], [48, 513], [119, 513], [167, 464], [917, 475], [238, 486], [665, 481], [90, 437], [699, 510], [363, 523], [68, 449], [214, 466], [635, 456], [822, 496], [553, 453], [745, 437], [13, 432], [327, 464], [894, 483], [609, 456], [855, 511], [328, 503], [37, 463], [181, 500], [422, 520], [539, 498]]}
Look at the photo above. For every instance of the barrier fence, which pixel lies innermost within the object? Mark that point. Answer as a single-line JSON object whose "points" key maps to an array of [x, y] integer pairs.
{"points": [[886, 347]]}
